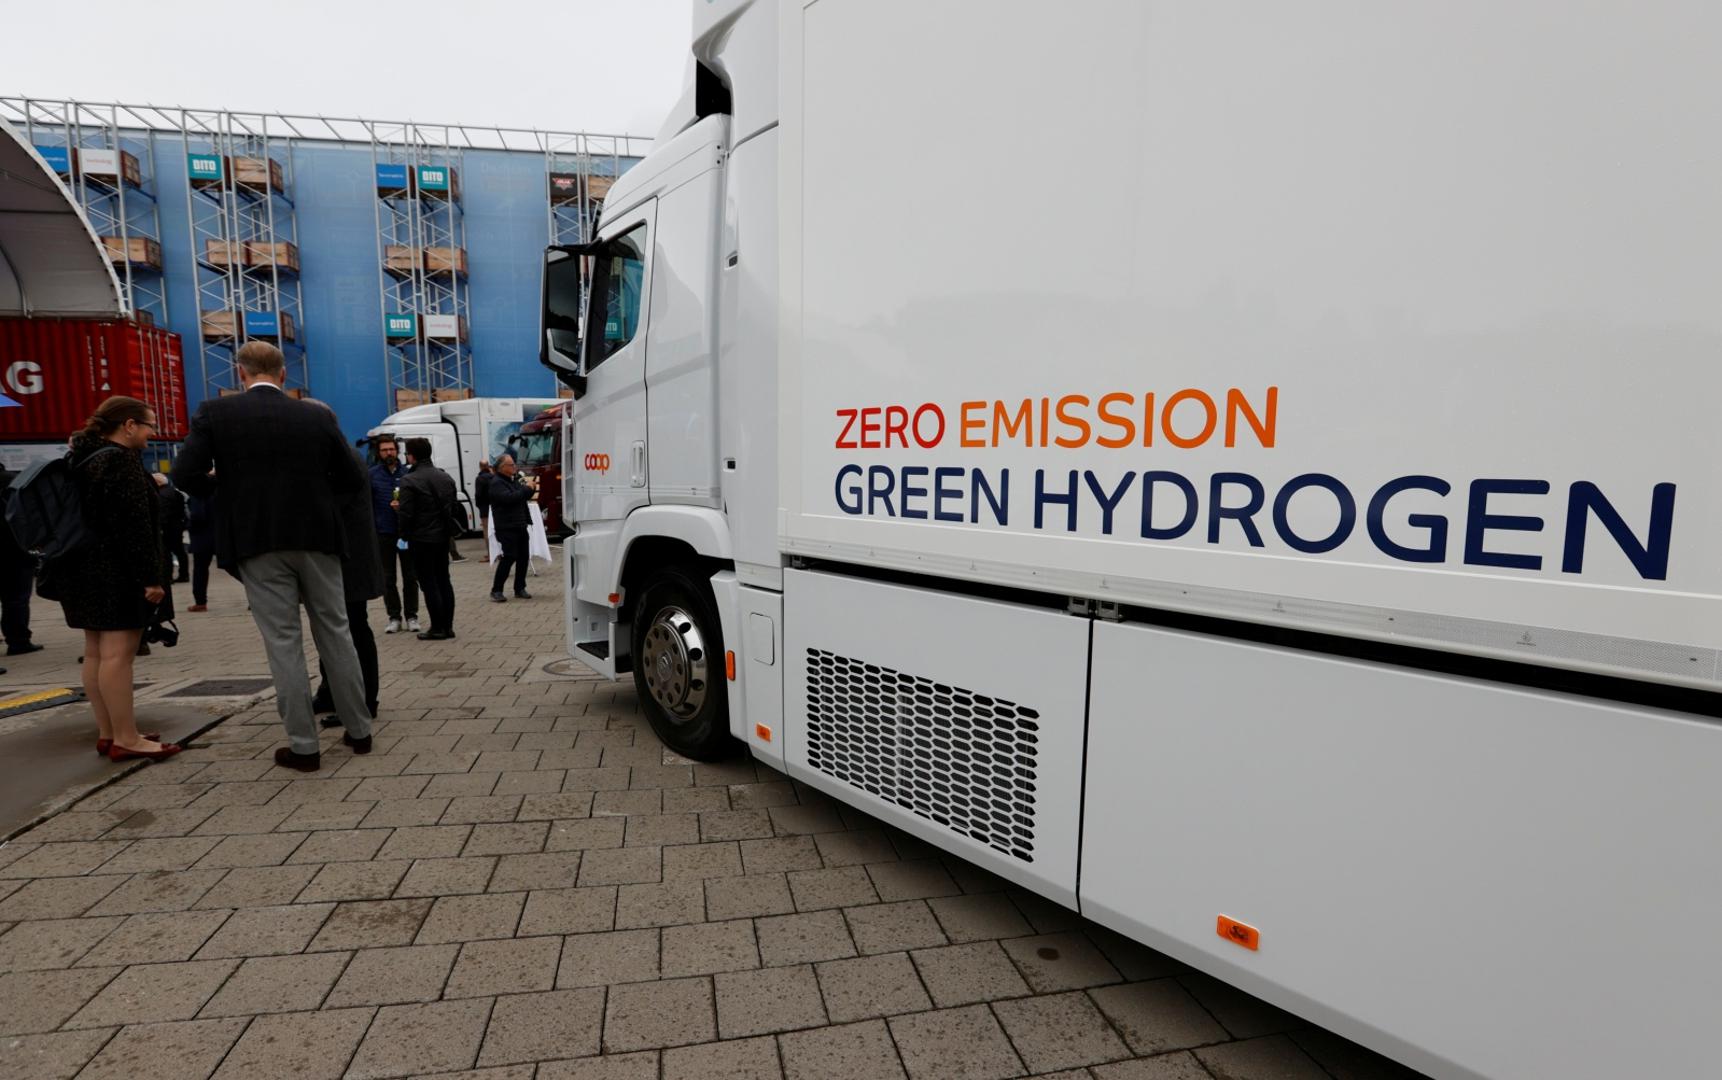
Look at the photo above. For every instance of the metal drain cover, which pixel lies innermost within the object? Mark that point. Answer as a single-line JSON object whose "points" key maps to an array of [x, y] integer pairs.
{"points": [[569, 668], [224, 688]]}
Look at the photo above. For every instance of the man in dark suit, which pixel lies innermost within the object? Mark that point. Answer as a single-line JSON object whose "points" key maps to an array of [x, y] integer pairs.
{"points": [[285, 469], [426, 505]]}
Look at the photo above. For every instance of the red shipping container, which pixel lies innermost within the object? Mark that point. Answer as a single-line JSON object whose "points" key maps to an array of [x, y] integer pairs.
{"points": [[59, 370]]}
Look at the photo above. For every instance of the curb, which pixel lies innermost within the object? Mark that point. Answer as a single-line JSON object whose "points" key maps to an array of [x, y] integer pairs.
{"points": [[61, 807]]}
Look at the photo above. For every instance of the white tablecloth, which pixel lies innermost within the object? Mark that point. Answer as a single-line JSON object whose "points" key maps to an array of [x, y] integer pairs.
{"points": [[537, 540]]}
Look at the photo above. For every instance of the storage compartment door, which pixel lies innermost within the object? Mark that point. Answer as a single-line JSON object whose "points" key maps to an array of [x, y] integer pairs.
{"points": [[1473, 878], [955, 719]]}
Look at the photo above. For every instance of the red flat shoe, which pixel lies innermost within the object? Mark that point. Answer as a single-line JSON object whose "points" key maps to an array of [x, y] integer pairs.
{"points": [[103, 744], [120, 753]]}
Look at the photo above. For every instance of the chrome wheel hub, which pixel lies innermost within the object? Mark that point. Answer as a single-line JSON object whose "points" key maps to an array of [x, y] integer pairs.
{"points": [[673, 660]]}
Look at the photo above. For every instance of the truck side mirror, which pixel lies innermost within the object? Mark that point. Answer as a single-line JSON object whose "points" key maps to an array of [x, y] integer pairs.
{"points": [[564, 291]]}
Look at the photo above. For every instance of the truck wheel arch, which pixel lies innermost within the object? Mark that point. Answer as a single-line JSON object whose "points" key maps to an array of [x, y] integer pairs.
{"points": [[659, 536]]}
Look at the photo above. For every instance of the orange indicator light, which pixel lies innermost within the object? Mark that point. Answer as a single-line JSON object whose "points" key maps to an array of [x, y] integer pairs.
{"points": [[1239, 934], [763, 732], [729, 664]]}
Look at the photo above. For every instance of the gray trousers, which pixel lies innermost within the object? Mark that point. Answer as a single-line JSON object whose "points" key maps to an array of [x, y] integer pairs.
{"points": [[276, 584]]}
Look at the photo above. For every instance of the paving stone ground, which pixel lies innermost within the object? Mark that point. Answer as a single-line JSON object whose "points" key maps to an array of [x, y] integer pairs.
{"points": [[522, 882]]}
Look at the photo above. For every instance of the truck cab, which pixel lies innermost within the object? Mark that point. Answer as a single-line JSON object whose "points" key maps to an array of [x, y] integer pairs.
{"points": [[668, 480], [538, 451]]}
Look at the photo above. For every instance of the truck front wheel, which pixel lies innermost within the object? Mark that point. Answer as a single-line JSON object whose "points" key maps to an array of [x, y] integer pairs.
{"points": [[679, 666]]}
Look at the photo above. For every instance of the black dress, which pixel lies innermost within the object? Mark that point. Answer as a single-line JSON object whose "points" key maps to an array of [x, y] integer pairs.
{"points": [[103, 584]]}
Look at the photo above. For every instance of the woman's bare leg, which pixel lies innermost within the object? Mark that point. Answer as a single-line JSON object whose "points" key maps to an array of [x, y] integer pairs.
{"points": [[92, 684], [119, 647]]}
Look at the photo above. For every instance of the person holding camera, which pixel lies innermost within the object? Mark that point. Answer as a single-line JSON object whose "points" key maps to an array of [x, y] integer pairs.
{"points": [[114, 586], [508, 499]]}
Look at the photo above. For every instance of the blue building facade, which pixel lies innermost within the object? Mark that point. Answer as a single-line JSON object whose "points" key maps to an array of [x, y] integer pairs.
{"points": [[506, 205], [298, 221]]}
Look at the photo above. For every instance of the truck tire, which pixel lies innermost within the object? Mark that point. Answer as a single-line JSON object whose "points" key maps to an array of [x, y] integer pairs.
{"points": [[679, 666]]}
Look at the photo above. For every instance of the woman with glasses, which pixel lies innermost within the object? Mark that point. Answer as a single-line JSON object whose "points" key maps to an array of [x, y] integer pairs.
{"points": [[112, 586]]}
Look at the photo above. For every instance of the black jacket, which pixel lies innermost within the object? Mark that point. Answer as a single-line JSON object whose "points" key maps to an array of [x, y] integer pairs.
{"points": [[172, 510], [283, 466], [362, 569], [11, 555], [427, 496], [481, 492], [200, 516], [508, 499]]}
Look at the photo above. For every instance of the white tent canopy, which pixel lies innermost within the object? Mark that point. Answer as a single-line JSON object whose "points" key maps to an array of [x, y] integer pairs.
{"points": [[51, 263]]}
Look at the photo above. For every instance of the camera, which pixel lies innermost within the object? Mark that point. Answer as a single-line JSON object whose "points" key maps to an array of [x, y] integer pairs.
{"points": [[161, 632]]}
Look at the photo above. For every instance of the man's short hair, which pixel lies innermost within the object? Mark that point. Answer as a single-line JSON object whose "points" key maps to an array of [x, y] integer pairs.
{"points": [[389, 440], [261, 358], [419, 449]]}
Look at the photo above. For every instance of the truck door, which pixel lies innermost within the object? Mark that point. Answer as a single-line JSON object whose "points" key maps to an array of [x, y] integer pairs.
{"points": [[609, 419]]}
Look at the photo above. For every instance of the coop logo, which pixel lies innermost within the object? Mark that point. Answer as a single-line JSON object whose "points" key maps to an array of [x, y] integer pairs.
{"points": [[23, 377], [598, 463]]}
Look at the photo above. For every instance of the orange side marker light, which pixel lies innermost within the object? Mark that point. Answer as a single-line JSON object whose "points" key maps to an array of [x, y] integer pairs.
{"points": [[763, 732], [1239, 933], [729, 664], [615, 598]]}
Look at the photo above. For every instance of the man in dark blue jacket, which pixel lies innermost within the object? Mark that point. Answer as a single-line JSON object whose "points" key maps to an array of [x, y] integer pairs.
{"points": [[386, 477]]}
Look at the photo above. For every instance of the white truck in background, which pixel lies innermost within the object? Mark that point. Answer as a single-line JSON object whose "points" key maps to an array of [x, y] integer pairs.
{"points": [[462, 434], [1293, 539]]}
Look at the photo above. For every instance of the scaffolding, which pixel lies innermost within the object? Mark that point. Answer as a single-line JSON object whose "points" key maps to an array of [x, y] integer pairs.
{"points": [[421, 252], [579, 170], [244, 230], [244, 242], [106, 156]]}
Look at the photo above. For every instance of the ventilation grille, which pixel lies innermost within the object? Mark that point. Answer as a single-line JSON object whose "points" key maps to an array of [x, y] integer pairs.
{"points": [[952, 756]]}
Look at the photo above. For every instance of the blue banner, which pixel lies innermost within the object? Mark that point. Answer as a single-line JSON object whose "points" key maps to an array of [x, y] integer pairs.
{"points": [[58, 158], [391, 178]]}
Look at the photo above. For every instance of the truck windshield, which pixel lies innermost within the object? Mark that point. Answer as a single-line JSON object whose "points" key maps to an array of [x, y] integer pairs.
{"points": [[537, 448]]}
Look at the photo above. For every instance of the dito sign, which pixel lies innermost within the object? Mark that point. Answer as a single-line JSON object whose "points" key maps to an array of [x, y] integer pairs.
{"points": [[400, 326], [203, 168]]}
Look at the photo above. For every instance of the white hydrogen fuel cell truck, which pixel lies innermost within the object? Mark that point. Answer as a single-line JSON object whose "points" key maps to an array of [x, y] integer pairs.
{"points": [[1247, 473]]}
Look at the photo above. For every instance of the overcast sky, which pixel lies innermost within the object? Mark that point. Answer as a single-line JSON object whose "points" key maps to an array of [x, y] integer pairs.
{"points": [[602, 66]]}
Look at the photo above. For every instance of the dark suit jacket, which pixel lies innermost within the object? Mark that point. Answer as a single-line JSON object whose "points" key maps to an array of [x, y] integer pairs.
{"points": [[362, 569], [284, 467]]}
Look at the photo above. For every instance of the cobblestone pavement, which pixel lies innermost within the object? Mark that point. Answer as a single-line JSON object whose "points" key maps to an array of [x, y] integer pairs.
{"points": [[522, 881]]}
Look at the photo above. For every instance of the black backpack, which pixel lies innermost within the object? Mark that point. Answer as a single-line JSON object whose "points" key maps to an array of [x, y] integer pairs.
{"points": [[44, 510]]}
